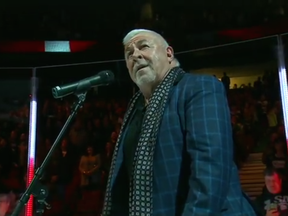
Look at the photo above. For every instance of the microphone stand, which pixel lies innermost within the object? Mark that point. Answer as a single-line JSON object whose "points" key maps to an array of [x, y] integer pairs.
{"points": [[36, 188]]}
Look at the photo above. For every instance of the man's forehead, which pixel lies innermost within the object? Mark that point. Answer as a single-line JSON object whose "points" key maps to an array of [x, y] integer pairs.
{"points": [[140, 38], [273, 177]]}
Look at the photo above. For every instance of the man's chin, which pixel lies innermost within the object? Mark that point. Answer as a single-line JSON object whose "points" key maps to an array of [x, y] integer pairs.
{"points": [[273, 191], [145, 80]]}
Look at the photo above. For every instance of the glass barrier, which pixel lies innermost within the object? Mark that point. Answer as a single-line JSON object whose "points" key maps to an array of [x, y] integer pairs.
{"points": [[253, 95], [284, 38], [249, 72], [15, 96], [282, 59]]}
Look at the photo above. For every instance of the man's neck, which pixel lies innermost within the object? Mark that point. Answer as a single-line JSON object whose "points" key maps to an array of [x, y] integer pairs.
{"points": [[147, 90]]}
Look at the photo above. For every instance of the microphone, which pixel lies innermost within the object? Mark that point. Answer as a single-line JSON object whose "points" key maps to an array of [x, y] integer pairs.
{"points": [[102, 78]]}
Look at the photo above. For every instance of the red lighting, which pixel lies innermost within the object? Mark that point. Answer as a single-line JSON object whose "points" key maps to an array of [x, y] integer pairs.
{"points": [[268, 29], [30, 175]]}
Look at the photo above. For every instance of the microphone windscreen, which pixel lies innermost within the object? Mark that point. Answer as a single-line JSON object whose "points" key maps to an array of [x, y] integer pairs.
{"points": [[107, 75]]}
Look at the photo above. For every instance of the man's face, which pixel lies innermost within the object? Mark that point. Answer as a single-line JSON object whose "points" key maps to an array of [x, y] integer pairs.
{"points": [[4, 205], [89, 150], [64, 144], [273, 183], [147, 58]]}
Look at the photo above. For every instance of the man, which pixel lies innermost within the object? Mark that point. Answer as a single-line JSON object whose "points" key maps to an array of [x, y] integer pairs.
{"points": [[174, 154], [5, 200], [226, 81], [274, 200]]}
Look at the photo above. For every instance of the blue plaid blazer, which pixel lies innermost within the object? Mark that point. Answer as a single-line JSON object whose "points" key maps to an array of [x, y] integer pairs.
{"points": [[194, 172]]}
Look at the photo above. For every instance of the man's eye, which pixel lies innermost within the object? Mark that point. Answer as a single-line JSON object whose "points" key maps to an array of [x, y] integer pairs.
{"points": [[129, 54], [144, 46]]}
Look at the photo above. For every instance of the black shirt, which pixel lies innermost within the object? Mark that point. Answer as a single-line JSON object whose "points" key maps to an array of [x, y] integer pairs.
{"points": [[131, 139], [267, 201], [120, 191], [133, 129]]}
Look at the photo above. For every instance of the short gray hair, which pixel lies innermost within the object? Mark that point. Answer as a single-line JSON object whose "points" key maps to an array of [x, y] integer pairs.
{"points": [[135, 32]]}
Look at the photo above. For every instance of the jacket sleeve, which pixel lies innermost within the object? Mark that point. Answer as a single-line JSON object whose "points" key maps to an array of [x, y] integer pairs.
{"points": [[210, 145]]}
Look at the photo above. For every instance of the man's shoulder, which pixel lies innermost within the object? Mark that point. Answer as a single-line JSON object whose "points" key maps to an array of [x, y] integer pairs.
{"points": [[192, 79]]}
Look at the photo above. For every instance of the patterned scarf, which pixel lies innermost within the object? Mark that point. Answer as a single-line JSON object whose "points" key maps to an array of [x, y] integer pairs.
{"points": [[141, 184]]}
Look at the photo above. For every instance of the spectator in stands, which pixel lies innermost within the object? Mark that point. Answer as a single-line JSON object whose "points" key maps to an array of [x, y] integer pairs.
{"points": [[5, 201], [226, 81], [106, 160], [78, 134], [277, 158], [64, 168], [89, 167], [5, 160], [258, 86], [98, 132], [114, 136], [43, 150], [262, 110], [272, 118], [273, 201], [23, 152], [108, 156]]}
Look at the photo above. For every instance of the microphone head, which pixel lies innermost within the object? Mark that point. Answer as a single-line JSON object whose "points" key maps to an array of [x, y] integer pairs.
{"points": [[55, 92], [107, 76]]}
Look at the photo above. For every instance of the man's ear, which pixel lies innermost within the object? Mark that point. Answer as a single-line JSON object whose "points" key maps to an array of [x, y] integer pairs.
{"points": [[170, 53]]}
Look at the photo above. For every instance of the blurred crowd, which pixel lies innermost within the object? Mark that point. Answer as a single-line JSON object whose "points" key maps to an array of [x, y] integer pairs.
{"points": [[256, 114], [82, 161], [257, 119], [74, 22], [77, 174]]}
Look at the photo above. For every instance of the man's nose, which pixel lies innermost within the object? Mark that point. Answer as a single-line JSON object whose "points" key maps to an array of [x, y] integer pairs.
{"points": [[137, 54]]}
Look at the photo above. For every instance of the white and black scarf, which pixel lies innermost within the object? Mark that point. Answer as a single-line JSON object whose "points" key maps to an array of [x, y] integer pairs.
{"points": [[141, 184]]}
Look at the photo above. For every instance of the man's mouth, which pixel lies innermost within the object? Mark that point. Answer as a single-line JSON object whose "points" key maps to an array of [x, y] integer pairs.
{"points": [[141, 67]]}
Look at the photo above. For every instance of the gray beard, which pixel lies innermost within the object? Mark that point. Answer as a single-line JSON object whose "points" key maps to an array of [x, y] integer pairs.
{"points": [[145, 79]]}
